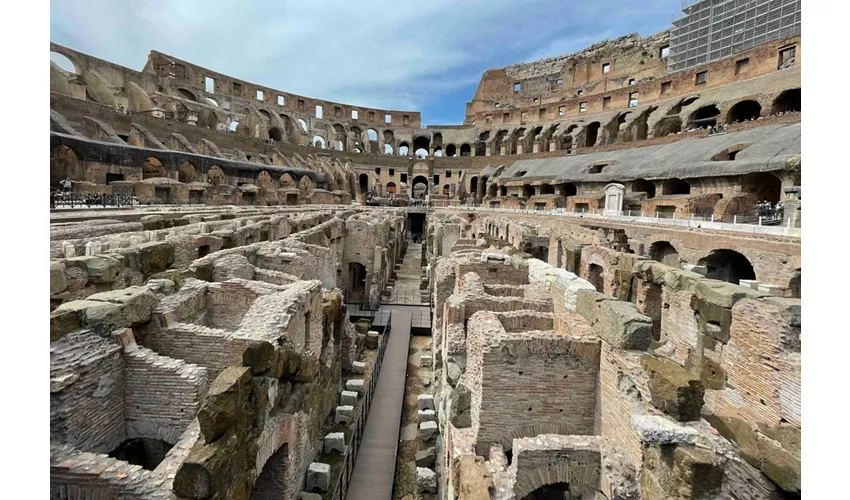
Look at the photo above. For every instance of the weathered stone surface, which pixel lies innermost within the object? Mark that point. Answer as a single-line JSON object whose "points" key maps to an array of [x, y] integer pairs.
{"points": [[659, 430], [318, 477], [155, 257], [102, 317], [453, 370], [619, 323], [428, 431], [348, 398], [358, 367], [309, 496], [100, 268], [344, 414], [426, 457], [58, 283], [426, 480], [357, 385], [673, 389], [425, 402], [335, 441], [425, 416], [724, 294], [223, 402], [258, 356], [205, 469], [372, 338], [425, 361], [460, 413], [136, 303]]}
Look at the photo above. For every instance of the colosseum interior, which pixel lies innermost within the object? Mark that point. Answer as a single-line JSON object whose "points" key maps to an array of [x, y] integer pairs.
{"points": [[590, 289]]}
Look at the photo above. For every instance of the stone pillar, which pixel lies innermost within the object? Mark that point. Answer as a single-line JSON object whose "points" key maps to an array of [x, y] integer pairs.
{"points": [[553, 146], [792, 206], [614, 199], [535, 148], [519, 149]]}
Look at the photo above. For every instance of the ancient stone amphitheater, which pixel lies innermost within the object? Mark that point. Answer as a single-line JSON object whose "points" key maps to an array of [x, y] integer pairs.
{"points": [[590, 289]]}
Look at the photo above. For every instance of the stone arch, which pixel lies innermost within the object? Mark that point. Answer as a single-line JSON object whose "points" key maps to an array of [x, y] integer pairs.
{"points": [[363, 183], [677, 108], [264, 180], [286, 181], [765, 186], [473, 185], [729, 153], [675, 186], [515, 141], [727, 265], [795, 285], [318, 142], [743, 111], [65, 63], [532, 430], [465, 149], [668, 125], [547, 189], [419, 180], [595, 275], [187, 173], [187, 94], [481, 144], [527, 190], [567, 189], [340, 137], [276, 134], [403, 149], [787, 101], [665, 253], [65, 163], [391, 188], [706, 116], [272, 481], [497, 141], [215, 176], [643, 186], [451, 150], [152, 168], [591, 133]]}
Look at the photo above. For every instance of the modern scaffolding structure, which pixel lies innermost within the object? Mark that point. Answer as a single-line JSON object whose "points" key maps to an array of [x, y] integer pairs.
{"points": [[713, 29]]}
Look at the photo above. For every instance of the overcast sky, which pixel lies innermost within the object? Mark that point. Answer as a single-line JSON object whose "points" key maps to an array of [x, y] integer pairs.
{"points": [[423, 56]]}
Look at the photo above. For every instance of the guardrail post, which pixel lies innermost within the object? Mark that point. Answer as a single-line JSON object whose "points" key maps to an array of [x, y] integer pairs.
{"points": [[712, 217], [657, 215], [735, 219], [759, 220]]}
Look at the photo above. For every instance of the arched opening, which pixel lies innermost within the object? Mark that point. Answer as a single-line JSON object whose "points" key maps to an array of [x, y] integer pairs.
{"points": [[391, 188], [303, 125], [795, 286], [473, 185], [203, 251], [591, 133], [64, 63], [64, 164], [364, 183], [372, 136], [568, 189], [152, 168], [276, 134], [213, 102], [665, 253], [271, 484], [187, 94], [340, 137], [389, 149], [421, 153], [187, 173], [705, 116], [492, 190], [438, 152], [743, 111], [357, 281], [446, 189], [788, 101], [547, 189], [419, 144], [594, 276], [765, 186], [481, 144], [503, 190], [147, 453], [675, 186], [643, 186], [554, 491], [420, 187], [727, 265], [497, 142], [451, 150], [668, 126], [515, 141], [318, 142], [215, 175], [465, 149], [527, 191]]}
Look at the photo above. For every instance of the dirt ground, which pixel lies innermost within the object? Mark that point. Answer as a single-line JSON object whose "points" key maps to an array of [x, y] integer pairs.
{"points": [[405, 476]]}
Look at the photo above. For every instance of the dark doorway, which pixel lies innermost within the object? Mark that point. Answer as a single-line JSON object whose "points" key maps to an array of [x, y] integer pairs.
{"points": [[271, 485], [145, 452], [110, 178], [416, 223], [727, 265], [594, 276], [203, 251], [554, 491], [356, 281], [665, 253]]}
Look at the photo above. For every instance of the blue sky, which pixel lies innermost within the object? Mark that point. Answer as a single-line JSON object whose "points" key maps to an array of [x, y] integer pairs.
{"points": [[423, 56]]}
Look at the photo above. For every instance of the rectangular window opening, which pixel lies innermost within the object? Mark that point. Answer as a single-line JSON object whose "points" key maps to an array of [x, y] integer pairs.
{"points": [[209, 85], [633, 100], [606, 68], [436, 179], [562, 110], [741, 65], [517, 86], [664, 52], [404, 178], [260, 95], [378, 170], [281, 101], [542, 114], [355, 114], [536, 100], [318, 111], [237, 88], [666, 87], [582, 107], [606, 102], [388, 118], [787, 57], [448, 174], [701, 77], [392, 171], [631, 82]]}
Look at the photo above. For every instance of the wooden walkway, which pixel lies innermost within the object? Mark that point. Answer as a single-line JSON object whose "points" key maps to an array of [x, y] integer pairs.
{"points": [[374, 469]]}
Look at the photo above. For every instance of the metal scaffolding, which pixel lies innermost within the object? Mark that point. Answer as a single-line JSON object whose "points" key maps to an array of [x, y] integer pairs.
{"points": [[713, 29]]}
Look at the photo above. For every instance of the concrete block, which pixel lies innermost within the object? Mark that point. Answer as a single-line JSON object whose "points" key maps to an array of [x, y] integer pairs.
{"points": [[428, 431], [673, 389], [751, 284], [348, 398], [372, 338], [344, 414], [358, 367], [425, 360], [694, 268], [659, 430], [318, 477], [426, 416], [335, 441], [356, 385], [773, 290], [425, 402], [426, 457]]}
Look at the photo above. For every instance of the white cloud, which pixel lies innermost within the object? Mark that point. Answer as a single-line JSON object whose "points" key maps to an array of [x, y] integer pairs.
{"points": [[376, 53]]}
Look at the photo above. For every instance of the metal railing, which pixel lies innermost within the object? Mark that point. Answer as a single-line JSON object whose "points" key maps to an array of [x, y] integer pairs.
{"points": [[353, 445], [73, 199]]}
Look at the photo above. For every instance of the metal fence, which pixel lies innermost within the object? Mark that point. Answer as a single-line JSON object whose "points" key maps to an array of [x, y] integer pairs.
{"points": [[353, 445], [73, 199]]}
